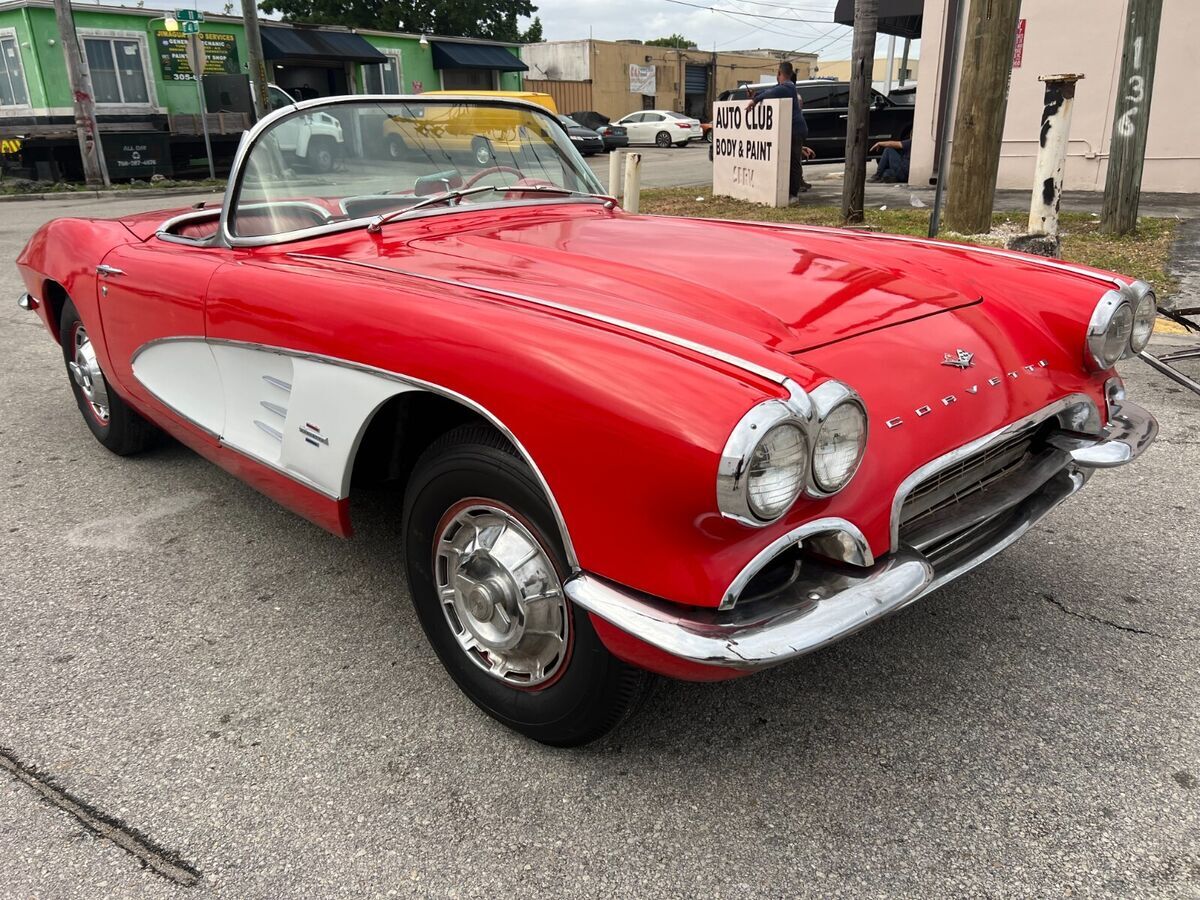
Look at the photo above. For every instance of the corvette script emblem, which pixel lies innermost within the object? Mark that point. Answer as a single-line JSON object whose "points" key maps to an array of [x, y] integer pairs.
{"points": [[960, 359]]}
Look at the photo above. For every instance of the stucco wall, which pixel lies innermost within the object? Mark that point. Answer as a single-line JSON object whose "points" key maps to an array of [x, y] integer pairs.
{"points": [[1080, 36]]}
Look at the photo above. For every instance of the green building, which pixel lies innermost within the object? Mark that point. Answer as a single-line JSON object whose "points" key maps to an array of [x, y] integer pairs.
{"points": [[147, 103]]}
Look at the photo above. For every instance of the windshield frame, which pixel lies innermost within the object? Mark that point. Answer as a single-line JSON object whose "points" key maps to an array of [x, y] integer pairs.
{"points": [[250, 139]]}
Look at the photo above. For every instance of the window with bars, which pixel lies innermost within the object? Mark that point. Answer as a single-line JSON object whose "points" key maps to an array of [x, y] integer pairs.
{"points": [[13, 91], [118, 72], [384, 78]]}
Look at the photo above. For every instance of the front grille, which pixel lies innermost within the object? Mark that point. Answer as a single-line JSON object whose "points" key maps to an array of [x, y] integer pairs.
{"points": [[956, 482]]}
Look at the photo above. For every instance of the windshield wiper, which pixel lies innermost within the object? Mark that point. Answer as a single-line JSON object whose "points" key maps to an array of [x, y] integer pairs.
{"points": [[451, 196]]}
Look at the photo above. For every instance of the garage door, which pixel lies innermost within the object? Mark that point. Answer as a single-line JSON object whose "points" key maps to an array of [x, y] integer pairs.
{"points": [[696, 80]]}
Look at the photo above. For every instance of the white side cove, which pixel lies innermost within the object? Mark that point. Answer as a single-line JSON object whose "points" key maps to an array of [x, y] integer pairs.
{"points": [[300, 415]]}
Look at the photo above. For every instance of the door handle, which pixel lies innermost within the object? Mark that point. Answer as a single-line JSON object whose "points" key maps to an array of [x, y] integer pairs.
{"points": [[844, 117], [109, 270]]}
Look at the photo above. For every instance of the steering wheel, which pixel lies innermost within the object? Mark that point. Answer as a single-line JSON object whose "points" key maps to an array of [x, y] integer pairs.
{"points": [[493, 170]]}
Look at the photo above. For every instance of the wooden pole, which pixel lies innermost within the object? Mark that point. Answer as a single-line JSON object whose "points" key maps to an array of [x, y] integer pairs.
{"points": [[255, 60], [1131, 118], [94, 171], [979, 121], [862, 61]]}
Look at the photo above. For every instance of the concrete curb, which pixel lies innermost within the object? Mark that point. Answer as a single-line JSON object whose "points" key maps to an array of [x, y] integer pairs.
{"points": [[132, 192]]}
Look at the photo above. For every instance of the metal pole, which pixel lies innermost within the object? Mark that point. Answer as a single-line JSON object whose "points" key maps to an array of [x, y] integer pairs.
{"points": [[904, 61], [1131, 118], [943, 137], [86, 128], [1052, 153], [614, 173], [258, 65], [633, 182], [891, 64], [198, 61]]}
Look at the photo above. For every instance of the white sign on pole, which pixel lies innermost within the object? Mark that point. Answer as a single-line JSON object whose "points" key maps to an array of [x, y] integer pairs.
{"points": [[642, 79], [752, 150]]}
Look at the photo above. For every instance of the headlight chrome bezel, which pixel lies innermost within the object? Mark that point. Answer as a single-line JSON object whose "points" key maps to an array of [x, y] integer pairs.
{"points": [[1112, 304], [1140, 294], [808, 411]]}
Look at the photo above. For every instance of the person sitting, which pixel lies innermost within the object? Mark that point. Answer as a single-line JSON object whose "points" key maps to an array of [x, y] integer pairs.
{"points": [[893, 161]]}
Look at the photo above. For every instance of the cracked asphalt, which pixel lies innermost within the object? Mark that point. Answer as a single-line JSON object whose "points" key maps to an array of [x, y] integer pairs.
{"points": [[255, 698]]}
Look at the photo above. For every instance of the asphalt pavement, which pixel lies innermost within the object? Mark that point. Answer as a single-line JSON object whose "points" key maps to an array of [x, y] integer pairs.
{"points": [[249, 704]]}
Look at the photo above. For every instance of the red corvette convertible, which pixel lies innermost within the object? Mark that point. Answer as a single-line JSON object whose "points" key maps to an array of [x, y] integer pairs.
{"points": [[629, 444]]}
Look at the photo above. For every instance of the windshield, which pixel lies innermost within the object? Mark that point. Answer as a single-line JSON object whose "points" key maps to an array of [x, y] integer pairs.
{"points": [[355, 161]]}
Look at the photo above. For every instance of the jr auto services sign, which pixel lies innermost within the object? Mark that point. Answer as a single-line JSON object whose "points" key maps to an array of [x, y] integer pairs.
{"points": [[752, 150]]}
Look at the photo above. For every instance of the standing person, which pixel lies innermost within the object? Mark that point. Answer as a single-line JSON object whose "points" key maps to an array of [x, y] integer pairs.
{"points": [[785, 87]]}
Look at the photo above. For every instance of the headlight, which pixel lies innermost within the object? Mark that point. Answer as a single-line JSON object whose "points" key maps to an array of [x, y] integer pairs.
{"points": [[777, 471], [841, 436], [1110, 329], [764, 464], [1144, 314]]}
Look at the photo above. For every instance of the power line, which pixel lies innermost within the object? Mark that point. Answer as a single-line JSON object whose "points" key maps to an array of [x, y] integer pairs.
{"points": [[748, 14]]}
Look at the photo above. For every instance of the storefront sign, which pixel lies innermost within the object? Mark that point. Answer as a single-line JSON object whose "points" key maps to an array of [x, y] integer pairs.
{"points": [[220, 51], [136, 155], [752, 150], [1019, 46], [642, 79]]}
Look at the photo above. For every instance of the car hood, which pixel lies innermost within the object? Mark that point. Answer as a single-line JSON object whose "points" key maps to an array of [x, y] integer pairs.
{"points": [[726, 285]]}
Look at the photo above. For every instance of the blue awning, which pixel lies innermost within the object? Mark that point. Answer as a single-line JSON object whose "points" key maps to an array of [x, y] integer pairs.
{"points": [[322, 44], [453, 55]]}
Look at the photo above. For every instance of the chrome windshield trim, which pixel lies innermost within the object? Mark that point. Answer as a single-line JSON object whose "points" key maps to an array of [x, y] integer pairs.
{"points": [[233, 185], [1072, 402], [667, 338], [400, 378]]}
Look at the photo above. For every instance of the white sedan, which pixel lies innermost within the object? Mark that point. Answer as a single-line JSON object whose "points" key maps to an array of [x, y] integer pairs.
{"points": [[660, 127]]}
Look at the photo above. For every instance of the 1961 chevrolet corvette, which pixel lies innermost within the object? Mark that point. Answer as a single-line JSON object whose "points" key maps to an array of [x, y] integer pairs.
{"points": [[629, 444]]}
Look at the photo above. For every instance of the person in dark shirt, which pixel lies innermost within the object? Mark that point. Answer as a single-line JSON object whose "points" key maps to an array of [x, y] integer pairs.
{"points": [[784, 89], [893, 161]]}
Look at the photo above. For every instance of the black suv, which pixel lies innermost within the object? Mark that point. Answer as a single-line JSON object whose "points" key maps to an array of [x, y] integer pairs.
{"points": [[825, 111]]}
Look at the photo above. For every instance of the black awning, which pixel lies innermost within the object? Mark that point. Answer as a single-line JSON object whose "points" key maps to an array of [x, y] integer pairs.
{"points": [[899, 17], [453, 55], [294, 44]]}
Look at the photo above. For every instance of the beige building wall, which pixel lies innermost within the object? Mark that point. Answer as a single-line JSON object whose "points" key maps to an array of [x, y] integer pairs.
{"points": [[604, 65], [839, 69], [1081, 36]]}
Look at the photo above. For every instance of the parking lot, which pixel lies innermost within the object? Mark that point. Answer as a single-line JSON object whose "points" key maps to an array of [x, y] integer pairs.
{"points": [[255, 699]]}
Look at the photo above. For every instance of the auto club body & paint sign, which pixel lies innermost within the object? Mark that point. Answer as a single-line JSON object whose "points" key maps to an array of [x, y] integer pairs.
{"points": [[752, 151]]}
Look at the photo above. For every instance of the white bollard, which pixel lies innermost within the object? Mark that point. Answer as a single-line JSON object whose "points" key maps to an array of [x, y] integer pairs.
{"points": [[633, 182], [1052, 153], [614, 173]]}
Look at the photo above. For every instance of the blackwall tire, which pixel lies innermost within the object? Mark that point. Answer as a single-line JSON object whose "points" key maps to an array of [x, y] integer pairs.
{"points": [[467, 488], [110, 419], [321, 155], [662, 139]]}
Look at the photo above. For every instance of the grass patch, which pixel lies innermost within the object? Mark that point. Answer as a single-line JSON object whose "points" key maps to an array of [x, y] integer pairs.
{"points": [[1143, 254], [18, 186]]}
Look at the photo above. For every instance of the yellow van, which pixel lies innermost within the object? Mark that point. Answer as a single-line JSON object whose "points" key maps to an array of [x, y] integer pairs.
{"points": [[486, 132]]}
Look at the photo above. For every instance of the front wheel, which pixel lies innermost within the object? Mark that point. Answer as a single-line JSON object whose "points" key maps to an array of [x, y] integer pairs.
{"points": [[486, 572], [662, 139], [109, 418], [481, 149], [321, 155]]}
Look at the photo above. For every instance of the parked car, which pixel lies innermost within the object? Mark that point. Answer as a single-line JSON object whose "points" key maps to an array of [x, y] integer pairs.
{"points": [[826, 108], [586, 141], [315, 141], [904, 96], [416, 132], [624, 444], [660, 127], [614, 135]]}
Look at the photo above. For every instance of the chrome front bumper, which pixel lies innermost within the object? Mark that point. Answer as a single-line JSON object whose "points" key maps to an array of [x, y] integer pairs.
{"points": [[830, 600]]}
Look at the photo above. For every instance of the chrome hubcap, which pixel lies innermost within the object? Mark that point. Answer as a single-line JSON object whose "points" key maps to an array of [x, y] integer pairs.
{"points": [[501, 594], [85, 369]]}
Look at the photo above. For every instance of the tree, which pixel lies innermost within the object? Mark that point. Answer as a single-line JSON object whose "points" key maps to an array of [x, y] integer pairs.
{"points": [[532, 34], [676, 40], [492, 19]]}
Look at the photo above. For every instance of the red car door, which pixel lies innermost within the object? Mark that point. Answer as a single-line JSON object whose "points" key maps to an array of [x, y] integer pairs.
{"points": [[150, 291]]}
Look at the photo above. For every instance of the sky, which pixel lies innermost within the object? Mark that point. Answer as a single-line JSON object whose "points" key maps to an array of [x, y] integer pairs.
{"points": [[793, 25], [800, 25]]}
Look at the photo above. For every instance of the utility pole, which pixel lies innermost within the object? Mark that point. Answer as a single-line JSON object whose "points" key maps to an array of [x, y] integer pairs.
{"points": [[862, 61], [1131, 118], [979, 121], [94, 170], [258, 65]]}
